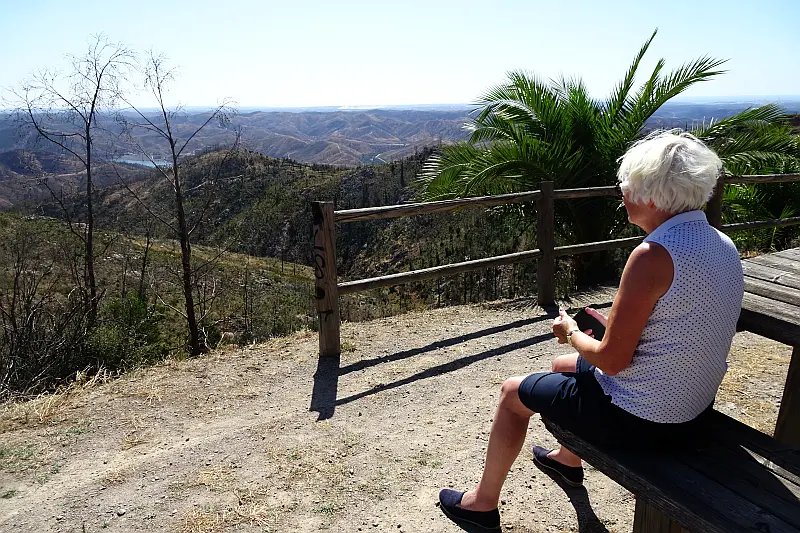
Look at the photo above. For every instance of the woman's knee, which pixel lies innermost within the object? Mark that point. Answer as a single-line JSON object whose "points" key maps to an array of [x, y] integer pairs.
{"points": [[565, 363], [509, 396]]}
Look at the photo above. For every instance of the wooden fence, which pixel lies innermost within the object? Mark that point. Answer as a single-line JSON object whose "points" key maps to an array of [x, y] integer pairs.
{"points": [[325, 218]]}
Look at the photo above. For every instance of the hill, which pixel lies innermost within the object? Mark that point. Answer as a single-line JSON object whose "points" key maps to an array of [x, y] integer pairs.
{"points": [[340, 138], [264, 210], [345, 138], [269, 438]]}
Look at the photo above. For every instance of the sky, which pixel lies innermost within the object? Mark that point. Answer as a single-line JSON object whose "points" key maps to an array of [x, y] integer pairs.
{"points": [[303, 53]]}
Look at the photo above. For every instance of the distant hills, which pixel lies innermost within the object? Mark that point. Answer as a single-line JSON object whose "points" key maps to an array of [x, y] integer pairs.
{"points": [[323, 136], [338, 138], [348, 138]]}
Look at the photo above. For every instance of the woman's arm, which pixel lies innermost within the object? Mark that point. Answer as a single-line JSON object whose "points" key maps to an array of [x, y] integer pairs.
{"points": [[646, 278]]}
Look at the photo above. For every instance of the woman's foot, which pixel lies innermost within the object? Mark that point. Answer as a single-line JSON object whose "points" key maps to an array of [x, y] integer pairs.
{"points": [[454, 505], [565, 457], [469, 501], [547, 460]]}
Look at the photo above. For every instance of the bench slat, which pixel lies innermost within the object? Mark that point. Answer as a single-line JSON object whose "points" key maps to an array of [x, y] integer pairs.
{"points": [[740, 473], [772, 290], [779, 458], [759, 316], [695, 501], [773, 275], [786, 264]]}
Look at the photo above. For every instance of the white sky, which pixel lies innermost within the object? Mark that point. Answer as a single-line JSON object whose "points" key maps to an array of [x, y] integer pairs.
{"points": [[314, 53]]}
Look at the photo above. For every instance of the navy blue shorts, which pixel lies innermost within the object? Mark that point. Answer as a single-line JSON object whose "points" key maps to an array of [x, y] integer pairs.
{"points": [[575, 401]]}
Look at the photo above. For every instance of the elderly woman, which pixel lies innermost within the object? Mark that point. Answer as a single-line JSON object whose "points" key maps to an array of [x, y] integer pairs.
{"points": [[663, 356]]}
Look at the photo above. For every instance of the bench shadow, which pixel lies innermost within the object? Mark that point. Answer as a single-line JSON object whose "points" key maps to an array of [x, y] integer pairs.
{"points": [[579, 498]]}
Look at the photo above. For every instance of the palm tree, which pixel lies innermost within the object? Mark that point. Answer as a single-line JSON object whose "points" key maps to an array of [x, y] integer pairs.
{"points": [[526, 131], [757, 141]]}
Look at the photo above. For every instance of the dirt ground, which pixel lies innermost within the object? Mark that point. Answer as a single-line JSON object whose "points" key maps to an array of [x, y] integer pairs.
{"points": [[269, 438]]}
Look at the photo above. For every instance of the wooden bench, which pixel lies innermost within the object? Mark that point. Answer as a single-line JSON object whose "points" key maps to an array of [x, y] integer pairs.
{"points": [[733, 480]]}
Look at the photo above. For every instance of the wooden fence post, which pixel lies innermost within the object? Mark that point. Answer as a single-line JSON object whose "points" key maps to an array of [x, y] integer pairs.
{"points": [[714, 207], [326, 293], [545, 239]]}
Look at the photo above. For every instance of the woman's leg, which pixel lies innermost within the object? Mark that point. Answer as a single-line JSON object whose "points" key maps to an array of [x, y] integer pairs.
{"points": [[565, 363], [505, 442]]}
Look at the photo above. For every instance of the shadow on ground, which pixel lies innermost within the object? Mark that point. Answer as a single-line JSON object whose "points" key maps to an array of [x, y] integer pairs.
{"points": [[326, 378], [579, 498]]}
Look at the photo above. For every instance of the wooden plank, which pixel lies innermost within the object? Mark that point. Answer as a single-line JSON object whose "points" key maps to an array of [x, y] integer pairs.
{"points": [[731, 449], [649, 519], [791, 253], [787, 429], [763, 178], [435, 272], [574, 249], [786, 315], [714, 205], [780, 263], [773, 275], [777, 457], [394, 211], [761, 224], [326, 296], [586, 192], [767, 326], [674, 488], [545, 240], [746, 477], [772, 290]]}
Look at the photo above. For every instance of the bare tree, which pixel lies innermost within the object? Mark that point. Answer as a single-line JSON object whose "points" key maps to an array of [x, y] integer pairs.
{"points": [[66, 110], [163, 125]]}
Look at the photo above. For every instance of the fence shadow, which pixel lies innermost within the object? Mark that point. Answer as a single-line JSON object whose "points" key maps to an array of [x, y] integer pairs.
{"points": [[366, 363], [326, 385], [326, 378], [448, 367]]}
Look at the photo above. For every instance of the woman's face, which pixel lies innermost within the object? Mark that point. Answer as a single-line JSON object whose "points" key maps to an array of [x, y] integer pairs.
{"points": [[637, 211]]}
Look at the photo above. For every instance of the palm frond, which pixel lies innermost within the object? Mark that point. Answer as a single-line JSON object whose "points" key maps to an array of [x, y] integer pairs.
{"points": [[618, 101]]}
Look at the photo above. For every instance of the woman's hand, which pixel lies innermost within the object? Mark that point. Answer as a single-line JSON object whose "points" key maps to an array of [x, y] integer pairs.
{"points": [[563, 324], [598, 315]]}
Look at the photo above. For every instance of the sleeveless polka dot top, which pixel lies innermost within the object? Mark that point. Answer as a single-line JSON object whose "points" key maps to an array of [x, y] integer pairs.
{"points": [[681, 358]]}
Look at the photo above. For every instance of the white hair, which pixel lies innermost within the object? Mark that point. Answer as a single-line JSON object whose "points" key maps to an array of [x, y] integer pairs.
{"points": [[675, 171]]}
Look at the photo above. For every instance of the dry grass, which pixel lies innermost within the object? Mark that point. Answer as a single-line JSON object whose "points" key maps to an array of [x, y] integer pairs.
{"points": [[116, 477], [215, 479], [135, 435], [49, 406], [758, 368], [249, 510]]}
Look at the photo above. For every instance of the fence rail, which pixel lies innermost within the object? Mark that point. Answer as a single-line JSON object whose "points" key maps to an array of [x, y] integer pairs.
{"points": [[325, 218]]}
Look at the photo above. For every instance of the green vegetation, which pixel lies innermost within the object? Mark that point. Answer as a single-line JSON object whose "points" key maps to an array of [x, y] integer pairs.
{"points": [[527, 131], [47, 337]]}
